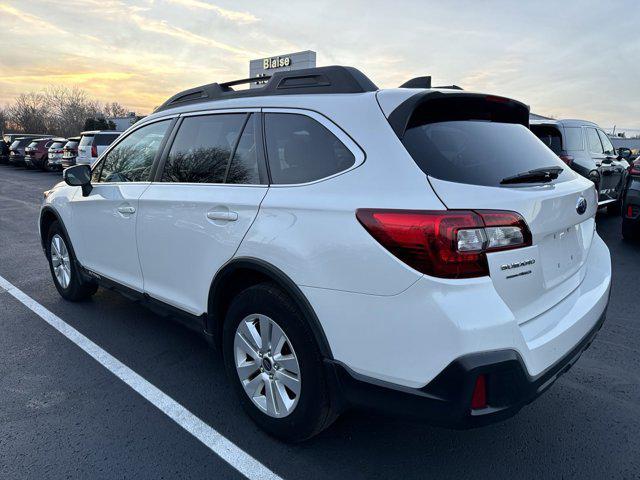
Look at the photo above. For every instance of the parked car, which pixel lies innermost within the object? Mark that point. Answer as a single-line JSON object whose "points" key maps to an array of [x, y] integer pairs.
{"points": [[631, 204], [587, 149], [36, 153], [4, 151], [382, 249], [7, 141], [69, 152], [16, 151], [93, 143], [54, 156]]}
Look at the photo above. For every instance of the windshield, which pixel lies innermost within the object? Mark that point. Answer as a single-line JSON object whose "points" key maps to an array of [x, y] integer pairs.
{"points": [[550, 136], [478, 152], [86, 140]]}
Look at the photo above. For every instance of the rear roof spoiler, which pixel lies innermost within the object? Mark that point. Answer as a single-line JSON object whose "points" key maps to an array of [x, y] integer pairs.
{"points": [[506, 108]]}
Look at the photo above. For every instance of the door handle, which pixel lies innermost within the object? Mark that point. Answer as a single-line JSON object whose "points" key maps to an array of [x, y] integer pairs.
{"points": [[227, 216], [126, 210]]}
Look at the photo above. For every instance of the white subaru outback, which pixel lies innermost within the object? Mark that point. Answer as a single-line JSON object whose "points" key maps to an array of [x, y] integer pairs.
{"points": [[411, 250]]}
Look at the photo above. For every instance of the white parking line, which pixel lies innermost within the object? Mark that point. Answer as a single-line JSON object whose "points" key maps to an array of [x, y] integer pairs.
{"points": [[217, 443]]}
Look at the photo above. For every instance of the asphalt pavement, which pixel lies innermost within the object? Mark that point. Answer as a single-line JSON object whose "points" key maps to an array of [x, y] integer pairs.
{"points": [[64, 415]]}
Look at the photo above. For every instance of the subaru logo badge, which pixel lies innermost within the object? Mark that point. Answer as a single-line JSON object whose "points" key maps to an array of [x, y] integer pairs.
{"points": [[581, 206]]}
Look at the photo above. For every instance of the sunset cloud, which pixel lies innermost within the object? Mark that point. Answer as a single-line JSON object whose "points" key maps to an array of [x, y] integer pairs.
{"points": [[140, 52], [242, 18]]}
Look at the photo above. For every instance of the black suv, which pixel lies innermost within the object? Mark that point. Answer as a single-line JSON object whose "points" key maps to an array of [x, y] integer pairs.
{"points": [[586, 148]]}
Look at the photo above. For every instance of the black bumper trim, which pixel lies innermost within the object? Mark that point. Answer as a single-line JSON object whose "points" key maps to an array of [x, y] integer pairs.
{"points": [[446, 400]]}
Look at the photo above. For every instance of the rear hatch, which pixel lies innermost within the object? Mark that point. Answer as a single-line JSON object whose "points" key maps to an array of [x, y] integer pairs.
{"points": [[84, 149], [474, 150]]}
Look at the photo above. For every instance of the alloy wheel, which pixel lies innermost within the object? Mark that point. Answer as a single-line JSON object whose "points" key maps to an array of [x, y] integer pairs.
{"points": [[60, 261], [267, 365]]}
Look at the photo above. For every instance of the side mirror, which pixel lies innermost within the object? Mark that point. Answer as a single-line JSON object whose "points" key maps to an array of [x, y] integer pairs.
{"points": [[624, 153], [79, 176]]}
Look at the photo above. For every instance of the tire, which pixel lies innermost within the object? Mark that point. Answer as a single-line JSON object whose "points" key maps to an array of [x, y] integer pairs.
{"points": [[615, 208], [311, 412], [45, 165], [630, 230], [77, 288]]}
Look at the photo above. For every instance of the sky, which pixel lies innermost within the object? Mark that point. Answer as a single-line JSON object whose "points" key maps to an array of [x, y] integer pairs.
{"points": [[566, 59]]}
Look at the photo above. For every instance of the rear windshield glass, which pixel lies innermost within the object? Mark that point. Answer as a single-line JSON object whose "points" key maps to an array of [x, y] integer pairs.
{"points": [[71, 144], [57, 145], [105, 139], [550, 136], [14, 145], [478, 152], [86, 140], [573, 138], [32, 145]]}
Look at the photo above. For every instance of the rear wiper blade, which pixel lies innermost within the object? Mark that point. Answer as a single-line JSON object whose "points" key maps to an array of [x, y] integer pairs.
{"points": [[544, 174]]}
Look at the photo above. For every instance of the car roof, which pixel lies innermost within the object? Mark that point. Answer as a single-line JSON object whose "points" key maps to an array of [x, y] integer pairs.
{"points": [[568, 122], [95, 132]]}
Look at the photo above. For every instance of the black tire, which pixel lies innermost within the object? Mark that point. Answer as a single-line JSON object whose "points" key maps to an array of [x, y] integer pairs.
{"points": [[78, 288], [614, 208], [630, 230], [313, 412], [45, 165]]}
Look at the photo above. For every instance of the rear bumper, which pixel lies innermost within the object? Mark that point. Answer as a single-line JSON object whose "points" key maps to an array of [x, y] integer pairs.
{"points": [[446, 400], [16, 160], [68, 162]]}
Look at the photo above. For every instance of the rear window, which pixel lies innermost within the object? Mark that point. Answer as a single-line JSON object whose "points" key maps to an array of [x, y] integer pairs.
{"points": [[14, 145], [86, 140], [105, 139], [57, 144], [32, 145], [478, 152], [71, 144], [573, 138], [550, 136]]}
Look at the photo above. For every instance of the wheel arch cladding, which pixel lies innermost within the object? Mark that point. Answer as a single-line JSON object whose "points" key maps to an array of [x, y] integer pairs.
{"points": [[47, 217], [242, 273]]}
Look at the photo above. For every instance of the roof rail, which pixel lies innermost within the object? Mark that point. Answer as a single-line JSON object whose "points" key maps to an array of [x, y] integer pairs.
{"points": [[449, 87], [333, 79]]}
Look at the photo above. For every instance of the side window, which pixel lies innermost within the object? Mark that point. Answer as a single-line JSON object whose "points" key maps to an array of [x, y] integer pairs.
{"points": [[606, 143], [593, 141], [301, 150], [244, 165], [202, 148], [573, 138], [131, 159]]}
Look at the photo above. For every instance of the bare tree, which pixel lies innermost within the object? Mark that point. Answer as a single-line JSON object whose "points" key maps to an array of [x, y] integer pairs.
{"points": [[29, 113], [57, 110], [114, 109]]}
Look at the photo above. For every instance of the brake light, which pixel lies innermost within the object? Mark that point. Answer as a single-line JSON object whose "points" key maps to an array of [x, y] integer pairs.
{"points": [[94, 151], [568, 159], [634, 168], [448, 243]]}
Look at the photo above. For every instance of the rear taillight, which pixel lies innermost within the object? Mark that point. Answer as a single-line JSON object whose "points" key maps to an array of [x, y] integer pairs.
{"points": [[634, 168], [633, 211], [566, 158], [479, 395], [94, 151], [449, 243]]}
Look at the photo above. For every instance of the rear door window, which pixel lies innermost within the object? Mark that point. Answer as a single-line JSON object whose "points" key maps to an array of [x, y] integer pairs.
{"points": [[301, 150], [202, 148], [573, 139], [593, 141], [478, 152]]}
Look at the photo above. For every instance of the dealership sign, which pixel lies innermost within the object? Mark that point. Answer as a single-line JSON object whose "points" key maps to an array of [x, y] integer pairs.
{"points": [[265, 67]]}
